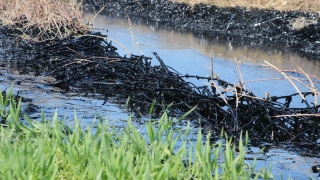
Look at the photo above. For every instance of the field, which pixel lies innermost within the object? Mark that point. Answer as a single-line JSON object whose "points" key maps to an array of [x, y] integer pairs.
{"points": [[282, 5]]}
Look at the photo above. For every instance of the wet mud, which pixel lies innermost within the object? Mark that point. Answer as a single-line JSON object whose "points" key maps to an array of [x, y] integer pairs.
{"points": [[289, 31]]}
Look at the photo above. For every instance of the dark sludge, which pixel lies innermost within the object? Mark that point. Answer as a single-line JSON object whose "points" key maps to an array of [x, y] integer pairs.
{"points": [[90, 63]]}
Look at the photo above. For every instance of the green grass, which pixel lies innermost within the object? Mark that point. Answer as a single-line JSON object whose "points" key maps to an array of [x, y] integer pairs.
{"points": [[51, 150]]}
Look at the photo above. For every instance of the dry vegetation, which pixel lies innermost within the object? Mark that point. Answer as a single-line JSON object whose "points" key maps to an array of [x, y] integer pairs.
{"points": [[43, 19], [282, 5]]}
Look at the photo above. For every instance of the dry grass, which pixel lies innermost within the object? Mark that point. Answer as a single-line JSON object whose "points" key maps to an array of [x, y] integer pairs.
{"points": [[43, 19], [282, 5]]}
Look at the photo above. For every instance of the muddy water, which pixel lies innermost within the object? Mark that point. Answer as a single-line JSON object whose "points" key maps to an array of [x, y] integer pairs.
{"points": [[190, 54]]}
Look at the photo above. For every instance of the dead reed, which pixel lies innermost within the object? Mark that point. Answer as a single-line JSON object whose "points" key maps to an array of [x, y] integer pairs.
{"points": [[43, 19]]}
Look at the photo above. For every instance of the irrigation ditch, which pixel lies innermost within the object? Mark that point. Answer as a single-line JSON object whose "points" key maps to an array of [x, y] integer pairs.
{"points": [[90, 63], [292, 30], [267, 118]]}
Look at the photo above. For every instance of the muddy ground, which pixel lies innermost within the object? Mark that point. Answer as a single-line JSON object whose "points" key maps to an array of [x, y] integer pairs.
{"points": [[289, 31]]}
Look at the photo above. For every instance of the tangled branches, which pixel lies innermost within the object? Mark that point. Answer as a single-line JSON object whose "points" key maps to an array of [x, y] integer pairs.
{"points": [[91, 64]]}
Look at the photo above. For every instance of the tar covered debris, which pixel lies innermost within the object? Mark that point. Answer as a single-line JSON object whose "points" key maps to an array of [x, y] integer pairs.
{"points": [[90, 63]]}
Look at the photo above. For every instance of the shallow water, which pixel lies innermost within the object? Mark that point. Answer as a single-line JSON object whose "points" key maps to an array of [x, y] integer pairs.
{"points": [[50, 99], [189, 54], [152, 35]]}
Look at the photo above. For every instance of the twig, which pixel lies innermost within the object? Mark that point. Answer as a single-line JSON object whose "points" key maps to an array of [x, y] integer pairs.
{"points": [[296, 115], [96, 15], [107, 39], [224, 99], [131, 33], [284, 74], [268, 79], [314, 90], [214, 84], [240, 72]]}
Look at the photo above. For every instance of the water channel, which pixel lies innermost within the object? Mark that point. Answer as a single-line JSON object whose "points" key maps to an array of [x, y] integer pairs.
{"points": [[188, 54]]}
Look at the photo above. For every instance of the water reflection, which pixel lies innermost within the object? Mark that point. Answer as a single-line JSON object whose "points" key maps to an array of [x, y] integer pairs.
{"points": [[177, 40], [191, 54]]}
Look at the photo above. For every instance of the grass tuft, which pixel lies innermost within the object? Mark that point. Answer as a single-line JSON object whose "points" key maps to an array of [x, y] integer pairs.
{"points": [[51, 150]]}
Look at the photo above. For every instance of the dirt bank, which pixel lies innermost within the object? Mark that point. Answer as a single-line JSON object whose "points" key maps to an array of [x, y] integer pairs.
{"points": [[296, 31]]}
